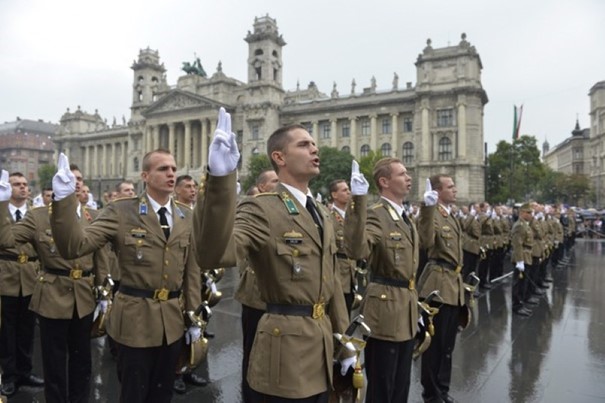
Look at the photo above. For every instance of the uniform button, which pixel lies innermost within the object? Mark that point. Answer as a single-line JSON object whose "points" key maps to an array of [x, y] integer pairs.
{"points": [[166, 262], [276, 332], [383, 296], [165, 276], [70, 289], [167, 248], [295, 252]]}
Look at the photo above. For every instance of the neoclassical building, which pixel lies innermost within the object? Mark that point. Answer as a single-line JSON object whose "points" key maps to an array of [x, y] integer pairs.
{"points": [[584, 152], [434, 126]]}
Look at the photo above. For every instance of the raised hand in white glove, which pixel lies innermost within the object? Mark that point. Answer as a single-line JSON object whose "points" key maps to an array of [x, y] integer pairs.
{"points": [[473, 212], [347, 363], [520, 266], [494, 215], [223, 155], [318, 197], [6, 189], [103, 304], [359, 184], [193, 334], [430, 195], [64, 181]]}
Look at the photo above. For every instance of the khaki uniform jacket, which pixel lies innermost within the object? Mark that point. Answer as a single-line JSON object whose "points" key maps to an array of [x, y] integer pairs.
{"points": [[54, 296], [472, 228], [392, 247], [498, 233], [487, 232], [522, 242], [18, 264], [147, 260], [292, 355], [537, 250], [247, 292], [344, 267], [441, 236]]}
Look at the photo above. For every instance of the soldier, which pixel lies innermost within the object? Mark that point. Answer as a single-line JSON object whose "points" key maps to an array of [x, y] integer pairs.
{"points": [[340, 196], [386, 234], [124, 189], [487, 242], [153, 239], [471, 246], [185, 190], [47, 196], [522, 241], [441, 237], [18, 271], [248, 295], [290, 244], [64, 300]]}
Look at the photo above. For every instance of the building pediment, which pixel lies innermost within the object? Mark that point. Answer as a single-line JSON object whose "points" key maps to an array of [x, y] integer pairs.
{"points": [[178, 100]]}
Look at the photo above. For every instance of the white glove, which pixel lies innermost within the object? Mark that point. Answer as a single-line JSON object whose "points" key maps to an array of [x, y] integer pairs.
{"points": [[212, 285], [6, 190], [520, 266], [473, 212], [318, 197], [430, 196], [346, 364], [359, 184], [494, 215], [64, 181], [238, 187], [102, 305], [193, 334], [420, 324], [224, 154]]}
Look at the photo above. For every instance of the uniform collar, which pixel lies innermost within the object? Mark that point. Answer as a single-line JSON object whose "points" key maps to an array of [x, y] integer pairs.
{"points": [[399, 209], [298, 195], [339, 211]]}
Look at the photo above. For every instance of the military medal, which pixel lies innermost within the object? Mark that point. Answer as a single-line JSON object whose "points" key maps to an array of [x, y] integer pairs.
{"points": [[290, 206], [139, 252], [142, 208]]}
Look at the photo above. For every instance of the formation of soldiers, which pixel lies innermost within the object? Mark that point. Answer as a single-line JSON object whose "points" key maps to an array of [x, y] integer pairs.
{"points": [[144, 269]]}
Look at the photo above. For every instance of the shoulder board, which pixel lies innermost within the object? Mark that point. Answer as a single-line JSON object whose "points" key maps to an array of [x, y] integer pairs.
{"points": [[124, 198], [265, 194], [442, 211], [376, 206], [180, 204], [289, 203], [37, 207]]}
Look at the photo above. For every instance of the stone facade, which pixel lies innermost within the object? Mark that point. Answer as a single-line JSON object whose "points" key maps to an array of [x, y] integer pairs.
{"points": [[434, 126], [25, 145]]}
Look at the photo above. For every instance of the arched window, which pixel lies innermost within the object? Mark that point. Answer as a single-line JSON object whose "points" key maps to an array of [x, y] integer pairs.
{"points": [[407, 154], [445, 149], [275, 54], [346, 149], [385, 150], [258, 52], [365, 150]]}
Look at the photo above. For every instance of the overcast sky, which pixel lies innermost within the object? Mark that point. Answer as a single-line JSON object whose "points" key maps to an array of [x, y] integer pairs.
{"points": [[545, 54]]}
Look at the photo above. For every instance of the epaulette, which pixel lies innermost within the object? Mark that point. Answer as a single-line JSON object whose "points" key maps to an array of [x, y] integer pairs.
{"points": [[376, 206], [183, 204], [37, 207], [124, 198], [442, 211], [289, 203], [266, 194]]}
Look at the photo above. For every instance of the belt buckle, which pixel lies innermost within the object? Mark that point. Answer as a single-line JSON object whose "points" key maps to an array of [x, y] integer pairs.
{"points": [[318, 310], [412, 284], [161, 294], [22, 258], [75, 274]]}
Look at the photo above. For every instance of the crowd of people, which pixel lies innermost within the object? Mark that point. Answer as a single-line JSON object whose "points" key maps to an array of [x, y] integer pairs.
{"points": [[146, 264]]}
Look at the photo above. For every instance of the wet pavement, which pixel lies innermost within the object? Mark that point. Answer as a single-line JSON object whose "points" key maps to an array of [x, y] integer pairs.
{"points": [[556, 355]]}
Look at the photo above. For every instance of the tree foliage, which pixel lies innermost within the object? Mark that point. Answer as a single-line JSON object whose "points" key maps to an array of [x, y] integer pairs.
{"points": [[335, 164], [366, 166], [257, 164], [46, 173]]}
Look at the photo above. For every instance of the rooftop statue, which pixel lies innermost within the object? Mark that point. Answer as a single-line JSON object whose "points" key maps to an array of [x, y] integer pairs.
{"points": [[194, 68]]}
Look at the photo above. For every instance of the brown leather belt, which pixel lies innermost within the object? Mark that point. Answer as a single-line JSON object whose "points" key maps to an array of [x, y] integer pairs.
{"points": [[161, 294], [315, 311], [73, 273], [400, 283], [446, 264], [18, 258]]}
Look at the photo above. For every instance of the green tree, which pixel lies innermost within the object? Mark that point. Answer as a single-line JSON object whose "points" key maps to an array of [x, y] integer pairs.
{"points": [[335, 164], [366, 166], [46, 173], [514, 171], [257, 164]]}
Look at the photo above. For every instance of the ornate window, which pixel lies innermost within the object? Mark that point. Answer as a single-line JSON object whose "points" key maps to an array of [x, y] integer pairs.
{"points": [[135, 164], [445, 149], [407, 125], [386, 126], [346, 129], [445, 117], [255, 132], [346, 149], [365, 127], [365, 150], [385, 150], [325, 130], [407, 154]]}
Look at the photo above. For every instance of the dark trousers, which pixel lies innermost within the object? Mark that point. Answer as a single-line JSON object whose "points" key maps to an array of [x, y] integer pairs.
{"points": [[497, 263], [16, 338], [388, 366], [436, 372], [250, 318], [470, 264], [519, 289], [349, 301], [257, 397], [66, 358], [147, 374], [484, 266]]}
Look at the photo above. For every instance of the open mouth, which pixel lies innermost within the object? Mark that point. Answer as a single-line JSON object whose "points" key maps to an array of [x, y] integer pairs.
{"points": [[315, 162]]}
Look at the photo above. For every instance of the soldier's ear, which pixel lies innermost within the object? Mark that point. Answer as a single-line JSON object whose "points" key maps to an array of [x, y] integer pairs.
{"points": [[278, 158]]}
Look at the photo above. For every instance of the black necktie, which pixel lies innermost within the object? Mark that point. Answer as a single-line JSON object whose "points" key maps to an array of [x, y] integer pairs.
{"points": [[18, 215], [164, 221], [315, 214]]}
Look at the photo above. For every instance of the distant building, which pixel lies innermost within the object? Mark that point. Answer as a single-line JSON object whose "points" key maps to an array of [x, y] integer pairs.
{"points": [[584, 152], [25, 145], [434, 126]]}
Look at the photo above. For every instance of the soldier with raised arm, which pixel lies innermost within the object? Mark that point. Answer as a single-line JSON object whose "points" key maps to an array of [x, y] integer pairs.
{"points": [[153, 240], [290, 245]]}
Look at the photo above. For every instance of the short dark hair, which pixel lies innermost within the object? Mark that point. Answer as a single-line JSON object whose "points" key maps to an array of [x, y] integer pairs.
{"points": [[74, 167], [278, 141], [18, 174], [118, 187], [333, 186], [183, 178], [262, 177], [436, 180]]}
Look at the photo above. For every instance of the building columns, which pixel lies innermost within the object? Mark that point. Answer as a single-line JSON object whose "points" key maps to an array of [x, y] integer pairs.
{"points": [[187, 149], [204, 149], [353, 137], [373, 134], [333, 134], [394, 128], [171, 129], [461, 137]]}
